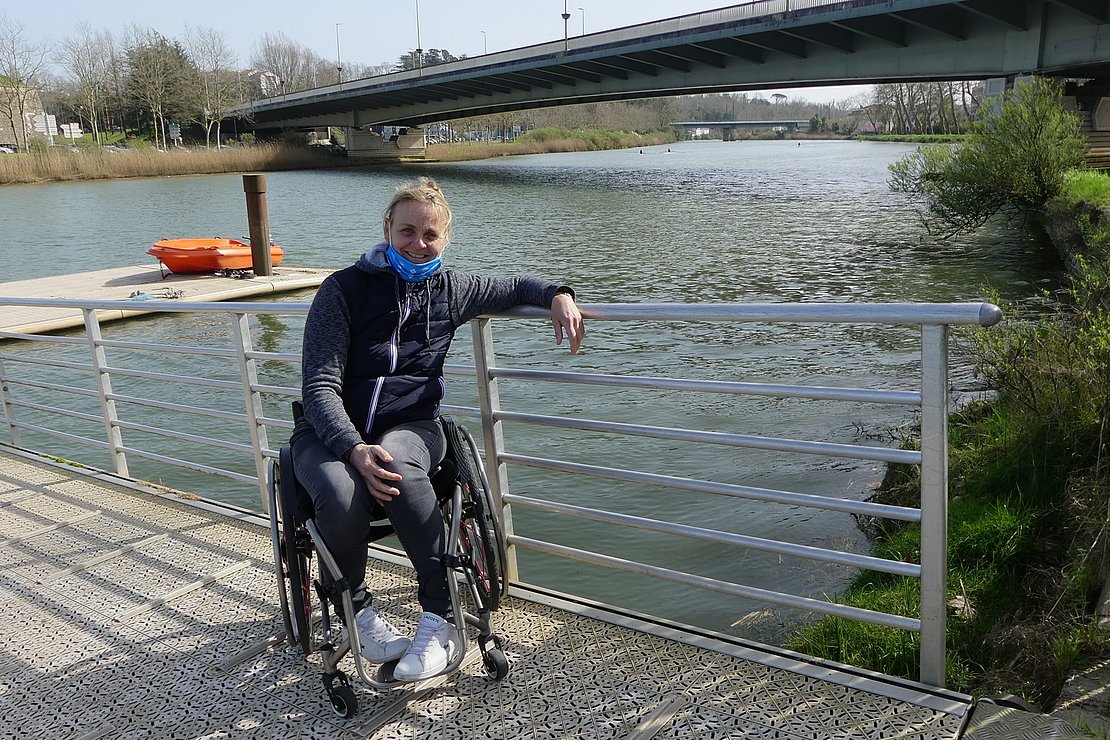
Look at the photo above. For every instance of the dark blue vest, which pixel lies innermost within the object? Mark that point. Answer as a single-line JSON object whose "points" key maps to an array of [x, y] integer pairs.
{"points": [[400, 334]]}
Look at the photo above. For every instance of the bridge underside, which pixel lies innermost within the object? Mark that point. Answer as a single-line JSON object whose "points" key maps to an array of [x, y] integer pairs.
{"points": [[864, 41]]}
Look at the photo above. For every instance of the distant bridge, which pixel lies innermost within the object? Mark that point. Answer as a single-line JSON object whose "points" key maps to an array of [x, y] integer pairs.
{"points": [[727, 128], [757, 45]]}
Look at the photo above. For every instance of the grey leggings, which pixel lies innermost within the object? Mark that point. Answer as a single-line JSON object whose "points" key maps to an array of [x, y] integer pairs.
{"points": [[344, 507]]}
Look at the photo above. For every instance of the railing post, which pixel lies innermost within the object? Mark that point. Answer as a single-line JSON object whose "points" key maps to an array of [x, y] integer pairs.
{"points": [[104, 389], [9, 409], [934, 502], [493, 438], [252, 402]]}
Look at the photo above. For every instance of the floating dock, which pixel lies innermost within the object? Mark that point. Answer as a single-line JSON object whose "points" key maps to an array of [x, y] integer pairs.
{"points": [[138, 283], [132, 612]]}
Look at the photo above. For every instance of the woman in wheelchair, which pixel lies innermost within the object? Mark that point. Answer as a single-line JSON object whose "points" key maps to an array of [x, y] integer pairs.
{"points": [[375, 341]]}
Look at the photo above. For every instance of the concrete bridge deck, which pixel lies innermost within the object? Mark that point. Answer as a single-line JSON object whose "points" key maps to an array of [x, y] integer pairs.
{"points": [[134, 613]]}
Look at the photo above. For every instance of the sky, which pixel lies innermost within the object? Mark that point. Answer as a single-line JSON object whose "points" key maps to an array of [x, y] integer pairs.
{"points": [[370, 32]]}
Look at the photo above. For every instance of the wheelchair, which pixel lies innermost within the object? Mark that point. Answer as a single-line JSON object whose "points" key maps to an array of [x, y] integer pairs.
{"points": [[475, 551]]}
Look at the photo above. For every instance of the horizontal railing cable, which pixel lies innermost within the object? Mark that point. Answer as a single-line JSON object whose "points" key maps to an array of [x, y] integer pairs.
{"points": [[273, 356], [721, 538], [233, 385], [190, 465], [820, 393], [56, 387], [277, 390], [95, 418], [46, 362], [180, 349], [98, 443], [766, 495], [725, 587], [186, 437], [775, 444], [166, 406]]}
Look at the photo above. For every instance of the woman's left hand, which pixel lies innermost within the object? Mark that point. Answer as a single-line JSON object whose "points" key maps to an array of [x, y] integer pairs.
{"points": [[567, 318]]}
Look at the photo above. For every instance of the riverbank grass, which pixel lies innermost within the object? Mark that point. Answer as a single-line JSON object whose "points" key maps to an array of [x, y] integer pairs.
{"points": [[95, 163], [1091, 187]]}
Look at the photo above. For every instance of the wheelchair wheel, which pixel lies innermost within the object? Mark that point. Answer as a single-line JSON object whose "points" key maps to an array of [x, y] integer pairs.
{"points": [[496, 664], [296, 559], [341, 696], [279, 546], [482, 566], [343, 701], [488, 523]]}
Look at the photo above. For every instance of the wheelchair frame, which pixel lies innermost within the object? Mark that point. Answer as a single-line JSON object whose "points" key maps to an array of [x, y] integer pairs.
{"points": [[475, 552]]}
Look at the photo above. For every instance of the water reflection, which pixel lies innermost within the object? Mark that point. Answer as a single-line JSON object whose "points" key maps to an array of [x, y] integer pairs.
{"points": [[273, 330]]}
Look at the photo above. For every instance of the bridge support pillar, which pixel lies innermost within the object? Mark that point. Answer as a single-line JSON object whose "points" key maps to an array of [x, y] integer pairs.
{"points": [[1092, 103], [728, 134], [370, 145]]}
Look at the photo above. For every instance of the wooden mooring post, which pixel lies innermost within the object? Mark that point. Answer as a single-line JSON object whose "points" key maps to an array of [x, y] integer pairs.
{"points": [[258, 221]]}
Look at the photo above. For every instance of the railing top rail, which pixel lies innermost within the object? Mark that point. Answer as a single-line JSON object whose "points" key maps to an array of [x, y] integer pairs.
{"points": [[980, 314], [155, 306]]}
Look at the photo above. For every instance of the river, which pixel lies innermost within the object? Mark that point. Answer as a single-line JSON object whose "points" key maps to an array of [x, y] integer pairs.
{"points": [[692, 222]]}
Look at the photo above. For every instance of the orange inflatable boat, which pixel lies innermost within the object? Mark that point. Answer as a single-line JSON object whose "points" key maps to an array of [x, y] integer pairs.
{"points": [[208, 255]]}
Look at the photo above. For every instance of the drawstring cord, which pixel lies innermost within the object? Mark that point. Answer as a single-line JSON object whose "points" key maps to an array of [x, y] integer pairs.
{"points": [[403, 303], [427, 313]]}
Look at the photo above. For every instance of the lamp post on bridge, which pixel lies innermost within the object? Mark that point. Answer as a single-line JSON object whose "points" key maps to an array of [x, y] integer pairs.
{"points": [[338, 58], [485, 49], [419, 51], [583, 12], [566, 31]]}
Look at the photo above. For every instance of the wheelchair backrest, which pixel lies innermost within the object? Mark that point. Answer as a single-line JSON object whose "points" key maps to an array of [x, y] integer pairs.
{"points": [[458, 461]]}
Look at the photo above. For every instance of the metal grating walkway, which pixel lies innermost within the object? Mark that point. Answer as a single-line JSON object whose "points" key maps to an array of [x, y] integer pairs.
{"points": [[128, 614]]}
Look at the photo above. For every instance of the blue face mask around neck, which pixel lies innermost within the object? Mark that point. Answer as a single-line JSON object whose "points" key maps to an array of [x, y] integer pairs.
{"points": [[409, 271]]}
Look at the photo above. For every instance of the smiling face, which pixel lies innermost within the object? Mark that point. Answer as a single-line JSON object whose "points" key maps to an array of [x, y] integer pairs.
{"points": [[417, 231]]}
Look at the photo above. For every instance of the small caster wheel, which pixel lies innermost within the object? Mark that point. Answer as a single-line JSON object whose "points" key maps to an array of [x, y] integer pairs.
{"points": [[497, 665], [343, 701]]}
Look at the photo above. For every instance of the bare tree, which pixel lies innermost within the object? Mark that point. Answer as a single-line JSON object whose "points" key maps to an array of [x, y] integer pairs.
{"points": [[22, 67], [216, 61], [291, 62], [925, 107], [356, 71], [87, 59]]}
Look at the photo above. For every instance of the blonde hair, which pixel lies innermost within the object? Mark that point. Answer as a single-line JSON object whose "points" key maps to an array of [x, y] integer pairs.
{"points": [[424, 190]]}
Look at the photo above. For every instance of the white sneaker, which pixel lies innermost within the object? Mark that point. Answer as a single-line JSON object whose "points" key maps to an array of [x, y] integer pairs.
{"points": [[434, 646], [381, 641]]}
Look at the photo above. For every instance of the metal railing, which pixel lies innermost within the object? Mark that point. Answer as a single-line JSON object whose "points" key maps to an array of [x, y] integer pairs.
{"points": [[229, 386]]}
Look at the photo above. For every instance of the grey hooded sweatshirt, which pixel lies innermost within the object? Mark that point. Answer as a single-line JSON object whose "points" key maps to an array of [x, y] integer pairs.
{"points": [[374, 345]]}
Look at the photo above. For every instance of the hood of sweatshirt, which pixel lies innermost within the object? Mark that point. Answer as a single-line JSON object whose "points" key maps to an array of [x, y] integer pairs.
{"points": [[375, 260]]}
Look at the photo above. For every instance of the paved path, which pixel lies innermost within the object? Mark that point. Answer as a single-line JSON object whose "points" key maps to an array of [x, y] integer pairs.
{"points": [[129, 614]]}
